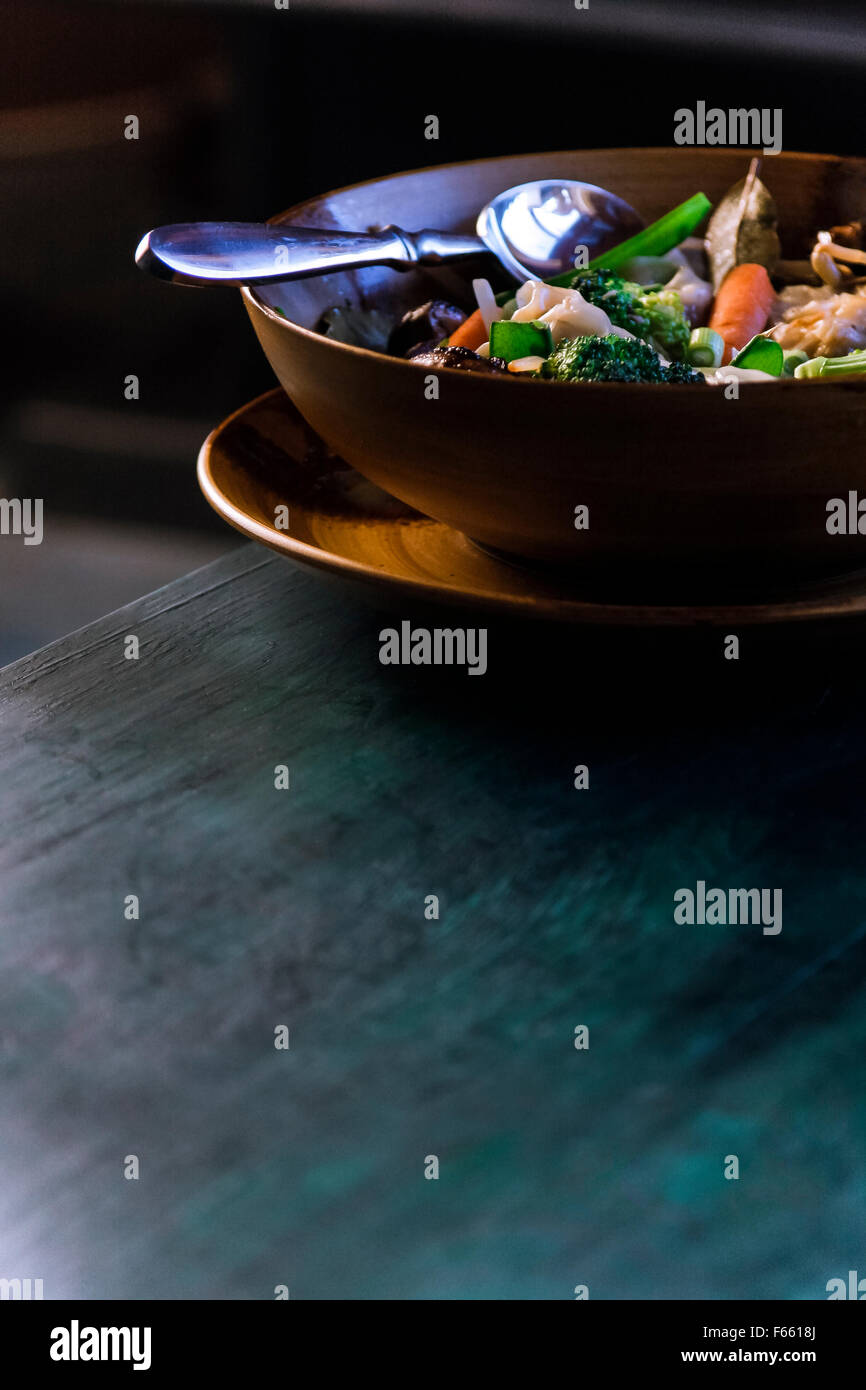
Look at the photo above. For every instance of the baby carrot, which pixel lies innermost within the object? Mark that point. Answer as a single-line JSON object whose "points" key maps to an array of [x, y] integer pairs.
{"points": [[471, 333], [742, 306]]}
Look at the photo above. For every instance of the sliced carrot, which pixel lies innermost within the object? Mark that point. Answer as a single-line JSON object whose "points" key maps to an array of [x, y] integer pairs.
{"points": [[471, 333], [742, 306]]}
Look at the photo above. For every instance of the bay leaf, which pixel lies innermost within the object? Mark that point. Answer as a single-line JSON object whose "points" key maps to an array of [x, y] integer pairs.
{"points": [[743, 230]]}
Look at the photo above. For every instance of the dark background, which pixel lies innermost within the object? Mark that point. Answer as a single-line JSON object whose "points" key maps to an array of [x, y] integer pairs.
{"points": [[245, 109]]}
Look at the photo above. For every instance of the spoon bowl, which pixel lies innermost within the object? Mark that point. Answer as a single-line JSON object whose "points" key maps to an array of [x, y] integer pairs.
{"points": [[534, 229]]}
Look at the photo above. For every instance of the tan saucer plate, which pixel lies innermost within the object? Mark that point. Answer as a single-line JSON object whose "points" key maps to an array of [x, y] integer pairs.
{"points": [[264, 457]]}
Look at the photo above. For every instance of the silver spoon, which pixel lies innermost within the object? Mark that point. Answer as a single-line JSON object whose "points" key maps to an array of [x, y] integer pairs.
{"points": [[533, 230]]}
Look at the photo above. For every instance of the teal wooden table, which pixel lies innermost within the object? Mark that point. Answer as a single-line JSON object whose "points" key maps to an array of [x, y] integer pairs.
{"points": [[411, 1036]]}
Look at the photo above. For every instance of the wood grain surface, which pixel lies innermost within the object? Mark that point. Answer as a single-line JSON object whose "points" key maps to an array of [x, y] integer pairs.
{"points": [[412, 1037]]}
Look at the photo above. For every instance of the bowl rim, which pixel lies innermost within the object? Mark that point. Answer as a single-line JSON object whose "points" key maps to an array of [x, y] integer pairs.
{"points": [[253, 302]]}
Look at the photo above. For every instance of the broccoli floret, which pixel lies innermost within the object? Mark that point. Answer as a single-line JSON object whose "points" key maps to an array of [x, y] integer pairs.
{"points": [[603, 359], [668, 327], [612, 294], [611, 359], [650, 312], [682, 372]]}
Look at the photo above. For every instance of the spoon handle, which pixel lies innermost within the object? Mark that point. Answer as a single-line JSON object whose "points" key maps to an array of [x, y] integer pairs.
{"points": [[253, 253]]}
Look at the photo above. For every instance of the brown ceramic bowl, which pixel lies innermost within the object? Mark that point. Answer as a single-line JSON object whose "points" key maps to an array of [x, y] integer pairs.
{"points": [[684, 486]]}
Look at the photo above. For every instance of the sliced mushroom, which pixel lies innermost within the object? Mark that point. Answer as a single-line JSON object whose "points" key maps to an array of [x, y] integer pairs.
{"points": [[460, 358], [824, 266], [844, 253], [428, 324]]}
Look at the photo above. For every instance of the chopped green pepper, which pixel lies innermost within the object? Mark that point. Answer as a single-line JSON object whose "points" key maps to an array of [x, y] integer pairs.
{"points": [[510, 340], [761, 355]]}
